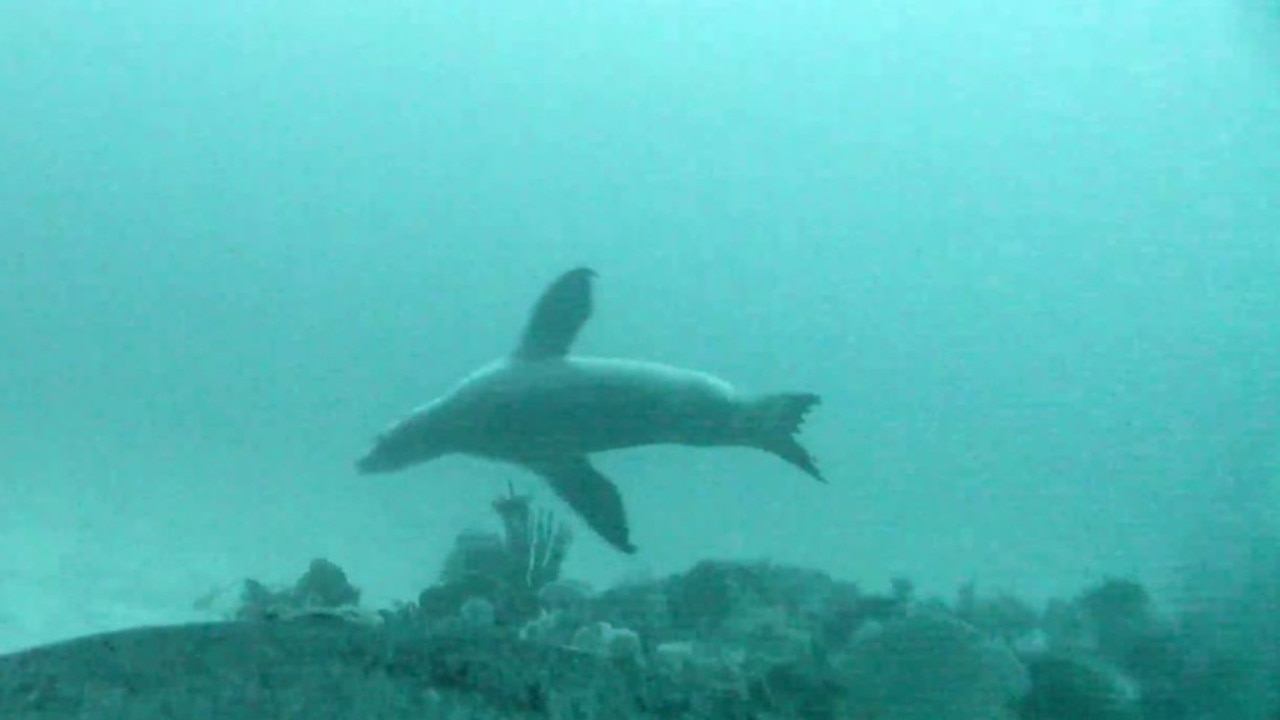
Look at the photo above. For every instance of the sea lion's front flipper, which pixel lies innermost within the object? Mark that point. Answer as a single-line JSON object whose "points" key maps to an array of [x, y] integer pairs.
{"points": [[558, 316], [591, 495]]}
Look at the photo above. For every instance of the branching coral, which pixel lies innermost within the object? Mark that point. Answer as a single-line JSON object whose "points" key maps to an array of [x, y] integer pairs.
{"points": [[537, 544], [507, 570]]}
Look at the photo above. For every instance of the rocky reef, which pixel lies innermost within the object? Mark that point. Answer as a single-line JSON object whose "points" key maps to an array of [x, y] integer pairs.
{"points": [[502, 633]]}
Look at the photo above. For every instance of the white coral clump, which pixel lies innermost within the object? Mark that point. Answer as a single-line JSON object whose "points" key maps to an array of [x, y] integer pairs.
{"points": [[603, 639]]}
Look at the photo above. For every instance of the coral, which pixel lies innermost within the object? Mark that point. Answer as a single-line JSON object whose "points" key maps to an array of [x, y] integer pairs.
{"points": [[740, 639], [510, 571], [1069, 687], [323, 587], [474, 553], [604, 640], [643, 607], [930, 666], [478, 614], [565, 596], [1001, 616], [550, 628], [536, 543], [711, 593], [1118, 614]]}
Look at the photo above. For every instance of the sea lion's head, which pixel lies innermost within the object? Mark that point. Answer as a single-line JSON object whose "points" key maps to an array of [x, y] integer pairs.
{"points": [[408, 442]]}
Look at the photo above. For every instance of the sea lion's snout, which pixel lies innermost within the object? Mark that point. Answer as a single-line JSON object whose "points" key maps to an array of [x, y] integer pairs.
{"points": [[406, 443], [369, 464], [381, 458]]}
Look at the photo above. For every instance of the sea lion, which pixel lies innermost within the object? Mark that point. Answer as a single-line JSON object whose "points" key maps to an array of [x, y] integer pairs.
{"points": [[546, 411]]}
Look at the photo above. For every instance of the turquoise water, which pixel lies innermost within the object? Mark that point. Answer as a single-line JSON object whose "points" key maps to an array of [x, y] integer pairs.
{"points": [[1026, 252]]}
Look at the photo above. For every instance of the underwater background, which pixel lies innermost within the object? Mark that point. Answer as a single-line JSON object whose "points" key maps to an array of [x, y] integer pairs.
{"points": [[1026, 252]]}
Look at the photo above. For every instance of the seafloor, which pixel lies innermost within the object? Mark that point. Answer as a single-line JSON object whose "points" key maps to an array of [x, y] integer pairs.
{"points": [[503, 635]]}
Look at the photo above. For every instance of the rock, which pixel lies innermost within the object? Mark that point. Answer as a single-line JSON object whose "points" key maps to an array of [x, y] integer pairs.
{"points": [[931, 666], [1067, 687], [312, 670]]}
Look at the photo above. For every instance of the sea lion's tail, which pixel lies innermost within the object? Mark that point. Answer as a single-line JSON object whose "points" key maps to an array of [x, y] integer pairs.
{"points": [[774, 420]]}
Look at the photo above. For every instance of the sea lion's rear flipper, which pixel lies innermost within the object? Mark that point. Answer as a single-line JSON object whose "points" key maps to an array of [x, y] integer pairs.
{"points": [[771, 423], [591, 495], [559, 314]]}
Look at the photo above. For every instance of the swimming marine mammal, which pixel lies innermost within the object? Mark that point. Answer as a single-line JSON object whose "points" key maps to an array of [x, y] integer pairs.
{"points": [[546, 410]]}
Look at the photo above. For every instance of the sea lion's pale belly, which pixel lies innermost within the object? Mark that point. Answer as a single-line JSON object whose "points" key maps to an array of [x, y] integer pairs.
{"points": [[585, 405]]}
